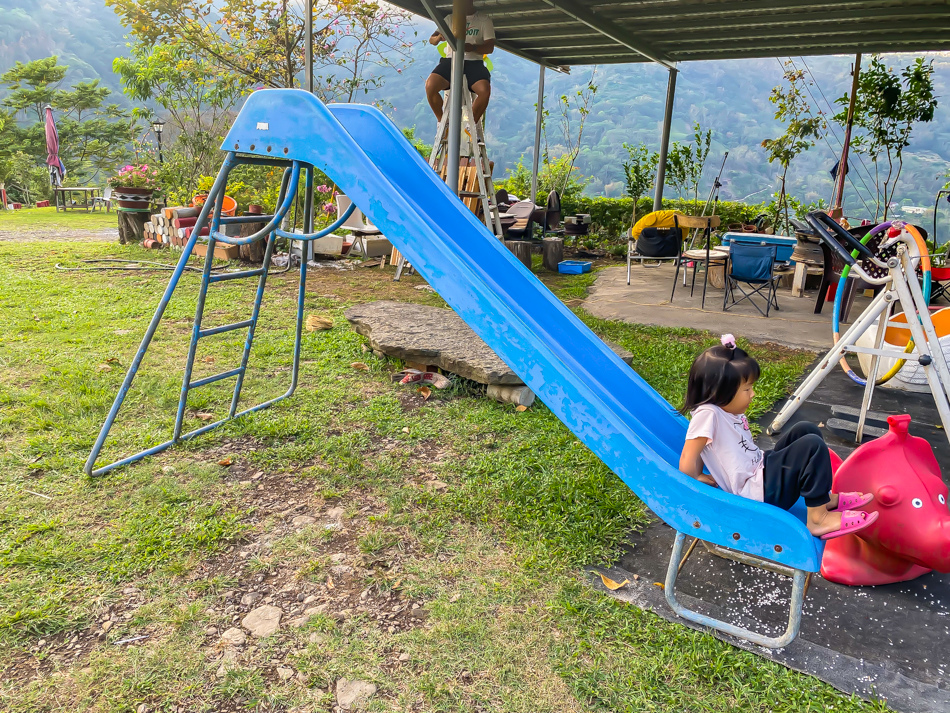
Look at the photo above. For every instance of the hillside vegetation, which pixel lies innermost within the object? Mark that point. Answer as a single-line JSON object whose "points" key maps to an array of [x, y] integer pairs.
{"points": [[729, 97]]}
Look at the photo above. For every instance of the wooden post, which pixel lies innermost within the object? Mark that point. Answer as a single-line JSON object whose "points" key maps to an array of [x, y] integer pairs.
{"points": [[552, 251], [522, 250], [255, 251], [132, 225]]}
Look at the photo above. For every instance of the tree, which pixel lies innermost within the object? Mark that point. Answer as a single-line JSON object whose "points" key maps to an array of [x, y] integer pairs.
{"points": [[261, 42], [802, 129], [887, 106], [639, 173], [577, 103], [197, 104], [33, 85], [93, 136], [685, 163]]}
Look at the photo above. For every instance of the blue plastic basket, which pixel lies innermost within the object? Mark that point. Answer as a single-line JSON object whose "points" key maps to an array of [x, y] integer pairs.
{"points": [[573, 267]]}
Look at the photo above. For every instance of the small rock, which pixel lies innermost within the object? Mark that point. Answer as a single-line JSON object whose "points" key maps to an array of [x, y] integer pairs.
{"points": [[403, 657], [211, 631], [106, 625], [310, 600], [263, 621], [340, 570], [233, 637], [251, 598], [338, 557], [353, 695], [438, 485], [167, 469], [317, 638], [336, 513], [302, 521], [285, 673], [142, 708]]}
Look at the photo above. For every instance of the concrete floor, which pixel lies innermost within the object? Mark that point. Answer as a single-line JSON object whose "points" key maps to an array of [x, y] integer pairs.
{"points": [[647, 301]]}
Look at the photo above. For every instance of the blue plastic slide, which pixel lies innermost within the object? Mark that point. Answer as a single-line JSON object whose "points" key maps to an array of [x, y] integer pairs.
{"points": [[605, 403]]}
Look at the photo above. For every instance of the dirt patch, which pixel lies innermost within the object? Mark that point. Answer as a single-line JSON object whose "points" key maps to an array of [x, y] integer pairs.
{"points": [[51, 235]]}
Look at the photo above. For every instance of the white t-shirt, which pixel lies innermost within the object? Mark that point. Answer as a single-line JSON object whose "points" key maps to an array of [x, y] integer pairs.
{"points": [[731, 456], [478, 29]]}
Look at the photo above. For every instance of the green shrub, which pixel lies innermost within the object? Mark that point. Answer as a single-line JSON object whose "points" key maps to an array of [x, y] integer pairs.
{"points": [[611, 216]]}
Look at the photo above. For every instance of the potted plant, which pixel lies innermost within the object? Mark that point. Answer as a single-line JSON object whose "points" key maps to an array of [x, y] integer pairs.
{"points": [[133, 187]]}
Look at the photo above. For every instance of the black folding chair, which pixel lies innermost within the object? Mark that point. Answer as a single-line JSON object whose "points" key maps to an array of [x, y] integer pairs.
{"points": [[752, 265]]}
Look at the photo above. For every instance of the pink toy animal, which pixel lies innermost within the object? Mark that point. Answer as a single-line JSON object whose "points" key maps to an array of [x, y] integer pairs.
{"points": [[912, 535]]}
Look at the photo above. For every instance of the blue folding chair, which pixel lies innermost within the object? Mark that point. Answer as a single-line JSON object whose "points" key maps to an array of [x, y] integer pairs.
{"points": [[752, 265]]}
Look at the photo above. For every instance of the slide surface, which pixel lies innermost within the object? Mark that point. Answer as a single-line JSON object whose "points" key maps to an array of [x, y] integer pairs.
{"points": [[605, 403]]}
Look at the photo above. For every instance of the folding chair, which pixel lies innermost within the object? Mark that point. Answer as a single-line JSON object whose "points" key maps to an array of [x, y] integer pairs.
{"points": [[753, 265], [523, 226], [355, 224], [552, 216]]}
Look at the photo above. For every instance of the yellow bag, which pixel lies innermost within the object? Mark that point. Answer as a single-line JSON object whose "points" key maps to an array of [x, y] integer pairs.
{"points": [[656, 219]]}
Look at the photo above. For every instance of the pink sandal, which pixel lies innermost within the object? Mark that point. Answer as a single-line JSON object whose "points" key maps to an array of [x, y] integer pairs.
{"points": [[852, 521], [853, 501]]}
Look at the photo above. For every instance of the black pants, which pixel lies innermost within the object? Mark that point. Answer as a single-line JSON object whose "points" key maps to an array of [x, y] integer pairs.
{"points": [[799, 466]]}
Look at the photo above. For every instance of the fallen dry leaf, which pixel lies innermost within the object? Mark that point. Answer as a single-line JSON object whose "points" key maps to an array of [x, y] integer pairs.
{"points": [[359, 365], [519, 409], [225, 461], [112, 360], [204, 416], [317, 322], [405, 429], [636, 577], [611, 584], [660, 585], [425, 391], [330, 584], [103, 367], [209, 360]]}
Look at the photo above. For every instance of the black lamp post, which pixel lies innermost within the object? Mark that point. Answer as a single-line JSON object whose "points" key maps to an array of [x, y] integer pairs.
{"points": [[157, 125]]}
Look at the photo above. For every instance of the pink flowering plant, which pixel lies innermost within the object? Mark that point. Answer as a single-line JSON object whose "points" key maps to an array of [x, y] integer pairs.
{"points": [[137, 176]]}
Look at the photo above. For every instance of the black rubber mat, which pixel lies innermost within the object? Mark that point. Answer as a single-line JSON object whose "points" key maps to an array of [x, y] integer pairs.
{"points": [[890, 642]]}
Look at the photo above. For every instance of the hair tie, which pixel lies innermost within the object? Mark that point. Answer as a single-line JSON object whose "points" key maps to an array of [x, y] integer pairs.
{"points": [[728, 341]]}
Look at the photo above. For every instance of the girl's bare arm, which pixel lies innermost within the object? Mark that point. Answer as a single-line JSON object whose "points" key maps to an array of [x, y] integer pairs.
{"points": [[691, 460]]}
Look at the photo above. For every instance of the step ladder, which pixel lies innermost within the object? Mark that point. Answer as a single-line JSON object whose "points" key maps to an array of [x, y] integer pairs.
{"points": [[475, 188], [274, 228]]}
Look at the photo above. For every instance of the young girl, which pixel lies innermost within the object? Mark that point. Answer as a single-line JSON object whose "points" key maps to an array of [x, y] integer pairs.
{"points": [[719, 391]]}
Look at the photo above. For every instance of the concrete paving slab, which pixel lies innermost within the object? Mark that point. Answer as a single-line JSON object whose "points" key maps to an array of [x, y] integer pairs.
{"points": [[647, 301]]}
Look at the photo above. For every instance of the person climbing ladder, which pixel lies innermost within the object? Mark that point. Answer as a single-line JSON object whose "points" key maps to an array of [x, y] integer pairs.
{"points": [[479, 41]]}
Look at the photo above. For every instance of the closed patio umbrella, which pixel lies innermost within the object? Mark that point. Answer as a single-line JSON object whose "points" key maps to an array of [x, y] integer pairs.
{"points": [[57, 171]]}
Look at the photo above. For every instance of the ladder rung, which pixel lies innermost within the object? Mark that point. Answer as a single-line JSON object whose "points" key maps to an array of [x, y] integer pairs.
{"points": [[221, 277], [225, 328], [216, 377]]}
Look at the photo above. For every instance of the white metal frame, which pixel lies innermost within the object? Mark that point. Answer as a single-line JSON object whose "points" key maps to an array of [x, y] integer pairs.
{"points": [[901, 286]]}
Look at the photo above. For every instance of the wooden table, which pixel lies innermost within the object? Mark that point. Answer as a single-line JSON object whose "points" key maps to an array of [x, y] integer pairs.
{"points": [[63, 200]]}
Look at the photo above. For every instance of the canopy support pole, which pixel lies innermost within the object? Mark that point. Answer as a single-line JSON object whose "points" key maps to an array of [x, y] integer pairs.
{"points": [[665, 140], [537, 137], [455, 105], [837, 205], [308, 22]]}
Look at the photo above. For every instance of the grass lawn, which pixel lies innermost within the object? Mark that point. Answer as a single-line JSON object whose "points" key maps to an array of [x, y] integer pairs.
{"points": [[50, 218], [432, 547]]}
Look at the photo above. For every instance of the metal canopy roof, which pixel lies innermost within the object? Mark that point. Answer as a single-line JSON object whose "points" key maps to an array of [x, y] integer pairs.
{"points": [[573, 32]]}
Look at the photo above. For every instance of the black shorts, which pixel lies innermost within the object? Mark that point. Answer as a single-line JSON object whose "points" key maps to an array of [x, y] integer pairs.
{"points": [[475, 71]]}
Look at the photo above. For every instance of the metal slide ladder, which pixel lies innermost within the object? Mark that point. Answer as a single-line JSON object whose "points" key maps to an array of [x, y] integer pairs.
{"points": [[286, 198], [438, 159]]}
